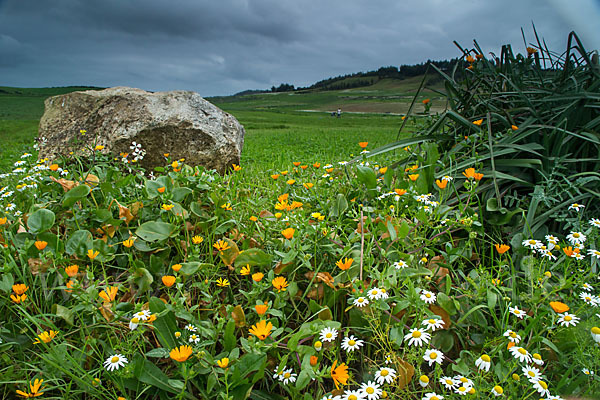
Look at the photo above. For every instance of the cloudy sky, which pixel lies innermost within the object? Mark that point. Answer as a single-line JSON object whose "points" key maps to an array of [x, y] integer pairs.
{"points": [[220, 47]]}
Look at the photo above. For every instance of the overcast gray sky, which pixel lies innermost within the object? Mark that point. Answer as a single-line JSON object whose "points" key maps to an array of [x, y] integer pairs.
{"points": [[221, 47]]}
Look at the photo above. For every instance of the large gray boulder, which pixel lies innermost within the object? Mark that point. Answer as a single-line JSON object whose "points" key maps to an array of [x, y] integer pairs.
{"points": [[179, 122]]}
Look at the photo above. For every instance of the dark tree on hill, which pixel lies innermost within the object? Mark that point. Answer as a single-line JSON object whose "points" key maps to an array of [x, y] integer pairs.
{"points": [[284, 87]]}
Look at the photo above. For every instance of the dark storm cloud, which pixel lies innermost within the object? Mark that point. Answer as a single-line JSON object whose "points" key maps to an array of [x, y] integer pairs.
{"points": [[225, 46]]}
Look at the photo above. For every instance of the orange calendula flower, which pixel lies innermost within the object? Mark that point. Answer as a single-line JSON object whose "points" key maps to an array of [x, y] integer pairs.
{"points": [[478, 176], [502, 248], [261, 309], [181, 353], [168, 280], [53, 167], [197, 239], [469, 173], [72, 270], [236, 167], [109, 293], [129, 242], [400, 192], [253, 218], [161, 189], [514, 127], [257, 277], [45, 337], [167, 207], [245, 270], [308, 185], [339, 374], [296, 163], [40, 244], [99, 147], [470, 59], [275, 176], [569, 251], [3, 221], [291, 181], [34, 389], [70, 285], [478, 122], [222, 282], [313, 360], [304, 166], [19, 288], [345, 264], [288, 233], [383, 170], [363, 145], [284, 173], [221, 245], [223, 362], [18, 299], [479, 56], [531, 50], [280, 283], [317, 165], [559, 307], [262, 329], [426, 101], [176, 267], [92, 254], [413, 177], [441, 184], [226, 207]]}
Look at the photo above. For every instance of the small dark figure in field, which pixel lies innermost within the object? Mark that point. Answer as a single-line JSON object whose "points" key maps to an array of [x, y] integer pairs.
{"points": [[339, 112]]}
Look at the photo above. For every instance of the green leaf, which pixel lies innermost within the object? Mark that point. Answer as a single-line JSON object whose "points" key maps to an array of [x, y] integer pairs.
{"points": [[153, 231], [180, 193], [229, 337], [79, 243], [253, 257], [446, 303], [158, 352], [340, 205], [75, 194], [492, 299], [143, 279], [367, 176], [165, 325], [303, 379], [7, 282], [63, 312], [40, 221], [403, 230], [105, 252], [152, 375]]}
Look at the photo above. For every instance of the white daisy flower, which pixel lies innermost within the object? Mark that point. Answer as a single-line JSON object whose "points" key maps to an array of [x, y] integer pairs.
{"points": [[433, 356], [432, 396], [537, 358], [548, 254], [447, 178], [551, 397], [383, 294], [194, 338], [576, 237], [428, 297], [551, 239], [515, 311], [361, 302], [448, 382], [424, 381], [520, 354], [587, 371], [596, 334], [567, 319], [589, 298], [464, 381], [462, 390], [353, 395], [532, 374], [288, 377], [542, 388], [417, 337], [277, 373], [578, 256], [134, 323], [142, 315], [386, 375], [586, 286], [483, 363], [351, 343], [400, 264], [497, 391], [328, 334], [576, 207], [532, 244], [433, 324], [191, 328], [595, 222], [10, 206], [594, 253], [115, 362], [371, 390], [373, 293]]}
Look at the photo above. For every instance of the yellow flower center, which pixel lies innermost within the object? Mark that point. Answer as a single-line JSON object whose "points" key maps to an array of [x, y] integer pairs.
{"points": [[531, 373], [433, 355], [428, 295], [513, 334], [435, 398], [576, 235], [328, 335], [568, 318], [352, 397], [135, 320], [449, 382], [194, 337], [351, 342], [485, 358], [543, 384], [588, 298], [464, 380], [522, 351], [384, 372], [432, 321], [462, 389], [287, 375], [370, 390], [416, 334], [361, 300], [596, 330], [537, 356], [114, 359]]}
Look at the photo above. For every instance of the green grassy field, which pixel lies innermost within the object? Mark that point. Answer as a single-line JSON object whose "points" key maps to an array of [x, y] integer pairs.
{"points": [[290, 125]]}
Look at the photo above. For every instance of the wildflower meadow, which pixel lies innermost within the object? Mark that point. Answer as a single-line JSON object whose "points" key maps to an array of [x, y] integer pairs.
{"points": [[456, 258]]}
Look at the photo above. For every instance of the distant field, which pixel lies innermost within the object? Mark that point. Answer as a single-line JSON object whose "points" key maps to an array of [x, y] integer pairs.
{"points": [[289, 124]]}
